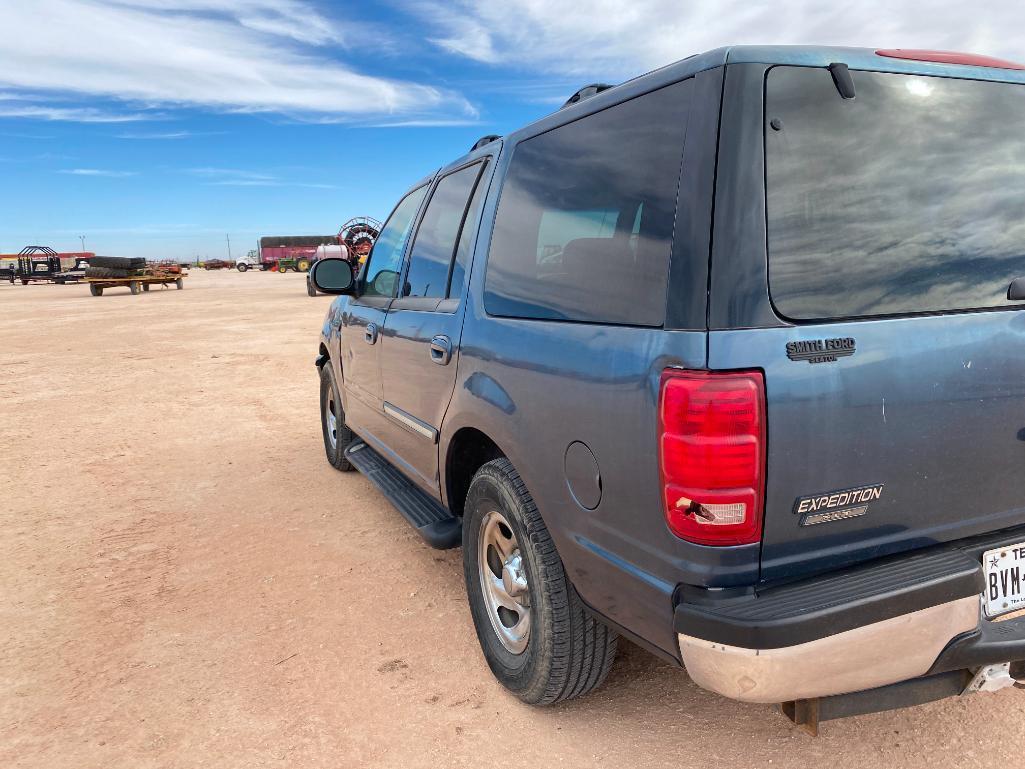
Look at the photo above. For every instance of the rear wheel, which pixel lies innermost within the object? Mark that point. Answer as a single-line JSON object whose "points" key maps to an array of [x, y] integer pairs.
{"points": [[337, 437], [310, 288], [536, 636], [145, 286], [303, 265], [179, 284], [133, 286], [96, 290]]}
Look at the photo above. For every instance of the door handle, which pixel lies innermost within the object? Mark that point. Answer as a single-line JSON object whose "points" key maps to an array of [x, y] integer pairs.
{"points": [[441, 350], [370, 333]]}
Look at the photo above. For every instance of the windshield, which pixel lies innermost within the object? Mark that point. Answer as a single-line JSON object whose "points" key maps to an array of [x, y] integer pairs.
{"points": [[908, 198]]}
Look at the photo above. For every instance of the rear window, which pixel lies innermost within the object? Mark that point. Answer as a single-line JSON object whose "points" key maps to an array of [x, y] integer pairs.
{"points": [[585, 221], [908, 198]]}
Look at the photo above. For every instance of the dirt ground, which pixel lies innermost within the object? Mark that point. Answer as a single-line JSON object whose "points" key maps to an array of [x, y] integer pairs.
{"points": [[185, 581]]}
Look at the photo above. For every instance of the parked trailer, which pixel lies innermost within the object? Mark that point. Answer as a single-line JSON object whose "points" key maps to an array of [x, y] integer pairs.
{"points": [[41, 264], [136, 284], [293, 252]]}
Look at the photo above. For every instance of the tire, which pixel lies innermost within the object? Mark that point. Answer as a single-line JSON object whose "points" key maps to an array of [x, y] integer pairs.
{"points": [[303, 265], [145, 286], [310, 288], [179, 284], [566, 652], [96, 290], [338, 437], [241, 267], [106, 272], [134, 287], [118, 262]]}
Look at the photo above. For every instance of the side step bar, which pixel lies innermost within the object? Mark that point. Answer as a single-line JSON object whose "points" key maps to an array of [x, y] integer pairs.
{"points": [[438, 527]]}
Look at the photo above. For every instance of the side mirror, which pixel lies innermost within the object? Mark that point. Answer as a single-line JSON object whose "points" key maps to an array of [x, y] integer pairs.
{"points": [[333, 276]]}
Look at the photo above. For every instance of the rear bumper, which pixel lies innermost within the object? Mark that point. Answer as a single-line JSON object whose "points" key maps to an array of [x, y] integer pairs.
{"points": [[853, 630]]}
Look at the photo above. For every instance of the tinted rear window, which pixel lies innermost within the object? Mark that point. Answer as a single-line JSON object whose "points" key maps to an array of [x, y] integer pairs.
{"points": [[435, 242], [585, 221], [909, 198]]}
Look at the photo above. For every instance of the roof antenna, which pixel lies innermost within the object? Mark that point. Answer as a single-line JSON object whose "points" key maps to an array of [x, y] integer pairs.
{"points": [[842, 79]]}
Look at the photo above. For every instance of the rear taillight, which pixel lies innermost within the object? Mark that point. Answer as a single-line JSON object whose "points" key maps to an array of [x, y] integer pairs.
{"points": [[712, 454]]}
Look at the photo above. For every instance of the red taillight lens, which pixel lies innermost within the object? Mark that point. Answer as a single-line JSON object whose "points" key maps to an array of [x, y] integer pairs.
{"points": [[712, 454]]}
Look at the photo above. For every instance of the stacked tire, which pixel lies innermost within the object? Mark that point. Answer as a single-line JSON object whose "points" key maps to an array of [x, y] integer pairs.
{"points": [[114, 266]]}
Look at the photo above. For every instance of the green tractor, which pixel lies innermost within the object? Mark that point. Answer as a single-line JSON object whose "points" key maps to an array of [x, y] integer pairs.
{"points": [[300, 264]]}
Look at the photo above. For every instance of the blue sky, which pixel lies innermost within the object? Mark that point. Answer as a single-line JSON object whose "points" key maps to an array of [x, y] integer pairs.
{"points": [[155, 127]]}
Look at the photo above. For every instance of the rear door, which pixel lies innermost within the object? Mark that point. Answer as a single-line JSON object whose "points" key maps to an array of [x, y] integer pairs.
{"points": [[363, 319], [420, 344], [896, 384]]}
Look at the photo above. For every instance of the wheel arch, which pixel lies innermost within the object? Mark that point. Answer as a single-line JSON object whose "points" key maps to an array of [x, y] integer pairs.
{"points": [[468, 450]]}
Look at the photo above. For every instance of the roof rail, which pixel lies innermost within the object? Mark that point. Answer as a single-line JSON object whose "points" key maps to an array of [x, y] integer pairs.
{"points": [[586, 92], [485, 140]]}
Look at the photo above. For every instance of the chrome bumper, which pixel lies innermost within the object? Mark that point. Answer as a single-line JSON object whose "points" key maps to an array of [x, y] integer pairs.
{"points": [[878, 654]]}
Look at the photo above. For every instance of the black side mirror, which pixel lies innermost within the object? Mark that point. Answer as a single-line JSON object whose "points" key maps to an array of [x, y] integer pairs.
{"points": [[333, 276]]}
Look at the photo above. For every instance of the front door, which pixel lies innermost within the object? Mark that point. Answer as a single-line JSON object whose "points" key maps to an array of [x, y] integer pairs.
{"points": [[363, 321], [421, 345]]}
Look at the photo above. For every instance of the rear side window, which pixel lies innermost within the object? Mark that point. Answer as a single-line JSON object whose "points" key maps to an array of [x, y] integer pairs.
{"points": [[908, 198], [467, 238], [585, 222], [435, 243]]}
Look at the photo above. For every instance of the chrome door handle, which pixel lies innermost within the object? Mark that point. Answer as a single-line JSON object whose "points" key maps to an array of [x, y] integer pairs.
{"points": [[441, 350], [370, 334]]}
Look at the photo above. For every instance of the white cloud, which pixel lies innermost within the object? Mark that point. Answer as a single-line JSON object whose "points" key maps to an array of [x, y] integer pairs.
{"points": [[229, 173], [234, 177], [609, 39], [73, 114], [96, 172], [427, 123], [245, 55], [166, 135]]}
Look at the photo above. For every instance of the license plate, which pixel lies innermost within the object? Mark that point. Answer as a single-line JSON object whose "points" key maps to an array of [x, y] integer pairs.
{"points": [[1005, 579]]}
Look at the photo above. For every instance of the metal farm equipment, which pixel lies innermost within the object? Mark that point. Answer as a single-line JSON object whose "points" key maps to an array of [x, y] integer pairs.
{"points": [[358, 236], [41, 264]]}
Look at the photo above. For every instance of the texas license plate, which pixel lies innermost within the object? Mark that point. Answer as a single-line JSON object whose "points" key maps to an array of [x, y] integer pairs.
{"points": [[1005, 579]]}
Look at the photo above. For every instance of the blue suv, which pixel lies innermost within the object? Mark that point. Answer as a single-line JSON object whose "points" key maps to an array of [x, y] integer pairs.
{"points": [[726, 360]]}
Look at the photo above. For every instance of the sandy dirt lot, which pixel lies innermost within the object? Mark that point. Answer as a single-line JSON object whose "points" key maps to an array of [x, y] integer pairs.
{"points": [[185, 582]]}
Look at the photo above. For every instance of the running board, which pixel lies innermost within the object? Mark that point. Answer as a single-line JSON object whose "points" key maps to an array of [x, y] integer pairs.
{"points": [[438, 527]]}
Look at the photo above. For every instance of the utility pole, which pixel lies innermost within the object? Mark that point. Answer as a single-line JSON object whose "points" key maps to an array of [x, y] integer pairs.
{"points": [[228, 238], [82, 238]]}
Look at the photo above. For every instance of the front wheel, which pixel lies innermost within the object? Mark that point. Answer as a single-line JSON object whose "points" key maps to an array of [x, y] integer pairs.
{"points": [[535, 633], [241, 267], [310, 288], [337, 436]]}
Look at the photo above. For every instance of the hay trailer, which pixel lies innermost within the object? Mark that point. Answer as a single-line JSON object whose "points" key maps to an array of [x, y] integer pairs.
{"points": [[136, 284]]}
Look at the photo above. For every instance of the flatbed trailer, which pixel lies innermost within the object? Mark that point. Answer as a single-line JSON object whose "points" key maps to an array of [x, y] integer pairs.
{"points": [[136, 284]]}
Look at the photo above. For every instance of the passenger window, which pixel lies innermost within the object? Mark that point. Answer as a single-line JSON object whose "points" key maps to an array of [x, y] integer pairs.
{"points": [[434, 246], [464, 251], [380, 276], [585, 224]]}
